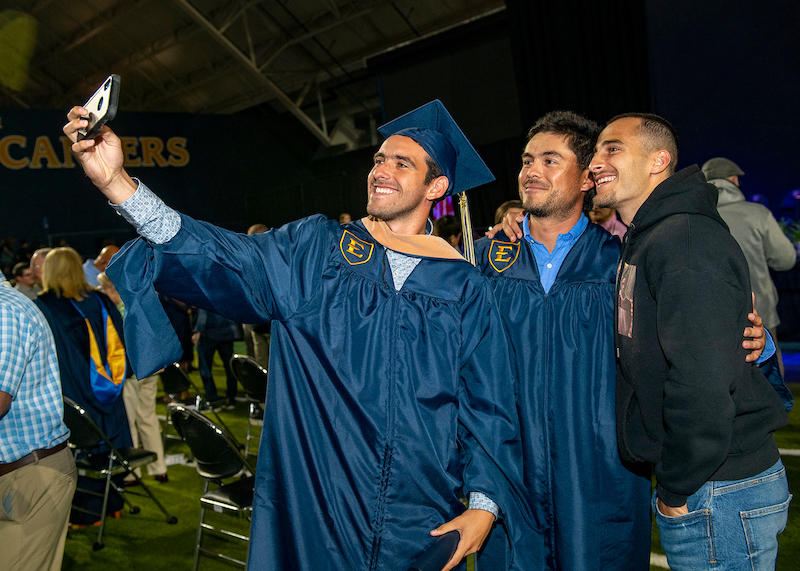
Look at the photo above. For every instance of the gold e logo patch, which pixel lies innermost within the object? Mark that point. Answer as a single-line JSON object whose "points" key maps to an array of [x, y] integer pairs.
{"points": [[502, 255], [355, 251]]}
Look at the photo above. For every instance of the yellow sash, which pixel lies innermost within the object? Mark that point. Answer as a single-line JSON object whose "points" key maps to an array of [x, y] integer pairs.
{"points": [[413, 244]]}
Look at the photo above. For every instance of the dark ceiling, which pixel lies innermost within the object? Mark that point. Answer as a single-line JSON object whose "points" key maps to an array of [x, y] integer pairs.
{"points": [[307, 57]]}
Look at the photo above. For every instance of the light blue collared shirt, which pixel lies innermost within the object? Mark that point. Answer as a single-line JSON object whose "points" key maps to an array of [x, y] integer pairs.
{"points": [[549, 264]]}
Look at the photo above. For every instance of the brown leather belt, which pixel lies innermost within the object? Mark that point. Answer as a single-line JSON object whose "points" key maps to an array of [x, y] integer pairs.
{"points": [[31, 458]]}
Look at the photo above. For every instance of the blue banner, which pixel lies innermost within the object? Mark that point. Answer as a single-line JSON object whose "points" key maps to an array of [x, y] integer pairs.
{"points": [[204, 165]]}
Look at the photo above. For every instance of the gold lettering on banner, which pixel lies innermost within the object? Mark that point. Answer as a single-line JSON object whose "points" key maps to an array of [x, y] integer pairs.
{"points": [[47, 152], [151, 152], [5, 155], [66, 147], [43, 150], [130, 152], [178, 155]]}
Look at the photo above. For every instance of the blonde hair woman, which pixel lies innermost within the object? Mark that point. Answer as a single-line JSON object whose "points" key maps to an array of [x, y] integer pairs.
{"points": [[63, 274], [87, 328]]}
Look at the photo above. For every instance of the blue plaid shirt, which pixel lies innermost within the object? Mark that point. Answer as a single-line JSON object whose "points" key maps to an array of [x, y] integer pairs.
{"points": [[29, 373]]}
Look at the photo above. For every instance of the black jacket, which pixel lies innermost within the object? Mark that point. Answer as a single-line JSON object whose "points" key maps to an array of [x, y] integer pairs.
{"points": [[687, 401]]}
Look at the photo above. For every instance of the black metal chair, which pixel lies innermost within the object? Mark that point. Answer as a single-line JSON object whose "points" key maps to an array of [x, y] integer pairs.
{"points": [[97, 458], [253, 378], [217, 457], [176, 382]]}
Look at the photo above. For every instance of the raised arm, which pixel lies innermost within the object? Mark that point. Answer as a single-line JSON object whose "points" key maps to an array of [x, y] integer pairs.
{"points": [[249, 279], [101, 158]]}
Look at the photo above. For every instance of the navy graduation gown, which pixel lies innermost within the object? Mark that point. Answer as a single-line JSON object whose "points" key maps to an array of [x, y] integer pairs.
{"points": [[383, 407], [72, 346], [594, 511]]}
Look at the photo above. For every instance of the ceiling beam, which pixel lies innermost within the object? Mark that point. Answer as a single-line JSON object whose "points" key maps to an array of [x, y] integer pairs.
{"points": [[313, 33], [252, 68], [331, 4], [98, 24]]}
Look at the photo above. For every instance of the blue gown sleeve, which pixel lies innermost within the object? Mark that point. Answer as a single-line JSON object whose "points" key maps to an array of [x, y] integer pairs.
{"points": [[488, 420], [248, 279]]}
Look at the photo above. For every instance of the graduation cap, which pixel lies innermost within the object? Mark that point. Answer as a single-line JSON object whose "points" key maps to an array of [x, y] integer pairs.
{"points": [[435, 130]]}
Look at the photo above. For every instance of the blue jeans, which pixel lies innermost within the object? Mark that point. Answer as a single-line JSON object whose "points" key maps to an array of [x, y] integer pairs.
{"points": [[731, 525]]}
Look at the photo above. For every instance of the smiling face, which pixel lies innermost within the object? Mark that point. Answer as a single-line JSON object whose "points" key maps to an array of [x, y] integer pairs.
{"points": [[551, 185], [621, 168], [396, 189]]}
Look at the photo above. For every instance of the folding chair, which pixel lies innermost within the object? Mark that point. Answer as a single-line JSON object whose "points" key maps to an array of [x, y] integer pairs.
{"points": [[253, 378], [217, 457], [97, 458], [176, 382]]}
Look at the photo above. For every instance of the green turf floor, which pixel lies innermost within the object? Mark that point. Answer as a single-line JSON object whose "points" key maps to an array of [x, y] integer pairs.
{"points": [[145, 541]]}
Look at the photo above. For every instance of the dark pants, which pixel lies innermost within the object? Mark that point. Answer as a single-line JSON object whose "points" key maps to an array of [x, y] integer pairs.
{"points": [[205, 356]]}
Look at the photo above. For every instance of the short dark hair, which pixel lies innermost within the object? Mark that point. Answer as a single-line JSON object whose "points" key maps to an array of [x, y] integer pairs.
{"points": [[20, 268], [434, 171], [446, 226], [656, 134], [581, 133]]}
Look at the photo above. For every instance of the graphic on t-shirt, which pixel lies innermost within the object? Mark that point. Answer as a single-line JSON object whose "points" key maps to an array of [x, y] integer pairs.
{"points": [[627, 279]]}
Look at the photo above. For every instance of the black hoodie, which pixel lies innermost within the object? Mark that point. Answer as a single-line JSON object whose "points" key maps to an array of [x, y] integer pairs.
{"points": [[687, 401]]}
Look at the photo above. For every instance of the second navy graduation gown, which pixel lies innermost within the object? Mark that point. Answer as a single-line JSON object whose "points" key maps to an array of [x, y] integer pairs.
{"points": [[594, 512]]}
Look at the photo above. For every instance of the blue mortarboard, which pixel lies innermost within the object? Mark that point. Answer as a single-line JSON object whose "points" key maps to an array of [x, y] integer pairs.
{"points": [[432, 127]]}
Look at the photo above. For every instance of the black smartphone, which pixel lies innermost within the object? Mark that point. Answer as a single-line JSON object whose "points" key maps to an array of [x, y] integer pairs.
{"points": [[102, 107], [438, 554]]}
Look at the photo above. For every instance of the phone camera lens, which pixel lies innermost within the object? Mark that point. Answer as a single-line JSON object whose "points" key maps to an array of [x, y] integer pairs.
{"points": [[100, 104]]}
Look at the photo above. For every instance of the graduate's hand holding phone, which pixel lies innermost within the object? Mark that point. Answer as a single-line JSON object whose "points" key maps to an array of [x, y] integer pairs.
{"points": [[100, 156], [474, 527]]}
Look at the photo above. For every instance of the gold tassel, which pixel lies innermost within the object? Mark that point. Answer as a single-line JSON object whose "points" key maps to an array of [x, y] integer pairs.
{"points": [[466, 228]]}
